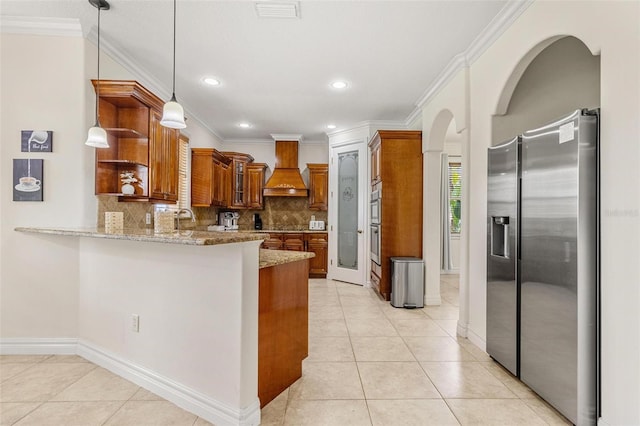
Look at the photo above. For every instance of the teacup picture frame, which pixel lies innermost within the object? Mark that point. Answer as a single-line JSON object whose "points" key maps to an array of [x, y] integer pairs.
{"points": [[36, 141], [27, 179]]}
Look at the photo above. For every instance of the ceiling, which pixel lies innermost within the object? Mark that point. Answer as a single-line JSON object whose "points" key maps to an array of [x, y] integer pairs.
{"points": [[275, 73]]}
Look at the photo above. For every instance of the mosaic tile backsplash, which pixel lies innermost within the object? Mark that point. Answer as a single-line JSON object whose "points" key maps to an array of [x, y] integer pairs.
{"points": [[287, 213]]}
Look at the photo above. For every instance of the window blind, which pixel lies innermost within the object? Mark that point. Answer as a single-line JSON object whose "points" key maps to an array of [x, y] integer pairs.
{"points": [[455, 193]]}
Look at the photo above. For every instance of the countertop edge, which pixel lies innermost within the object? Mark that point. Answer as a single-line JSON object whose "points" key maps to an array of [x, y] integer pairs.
{"points": [[270, 258], [193, 238]]}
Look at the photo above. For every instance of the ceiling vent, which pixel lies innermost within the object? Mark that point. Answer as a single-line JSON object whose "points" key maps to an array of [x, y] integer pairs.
{"points": [[278, 9]]}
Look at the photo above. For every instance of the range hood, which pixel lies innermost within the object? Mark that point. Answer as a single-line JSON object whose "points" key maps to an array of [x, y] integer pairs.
{"points": [[286, 180]]}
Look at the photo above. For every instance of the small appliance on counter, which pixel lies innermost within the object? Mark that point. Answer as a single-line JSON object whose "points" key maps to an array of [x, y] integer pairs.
{"points": [[229, 220], [316, 225], [257, 222]]}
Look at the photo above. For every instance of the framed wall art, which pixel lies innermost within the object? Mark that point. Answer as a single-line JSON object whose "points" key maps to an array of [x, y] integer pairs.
{"points": [[36, 141], [27, 179]]}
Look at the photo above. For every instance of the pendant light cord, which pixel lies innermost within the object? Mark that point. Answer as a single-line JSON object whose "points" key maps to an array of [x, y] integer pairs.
{"points": [[173, 96], [98, 84]]}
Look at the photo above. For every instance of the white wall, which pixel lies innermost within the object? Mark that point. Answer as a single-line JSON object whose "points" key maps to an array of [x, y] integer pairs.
{"points": [[610, 29], [55, 95], [43, 87]]}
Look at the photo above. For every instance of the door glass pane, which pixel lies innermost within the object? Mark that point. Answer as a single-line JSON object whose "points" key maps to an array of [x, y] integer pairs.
{"points": [[348, 210]]}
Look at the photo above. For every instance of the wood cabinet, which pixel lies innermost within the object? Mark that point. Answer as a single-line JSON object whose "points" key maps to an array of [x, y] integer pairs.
{"points": [[318, 186], [130, 114], [255, 179], [239, 182], [209, 171], [283, 327], [375, 164], [164, 153], [273, 242], [294, 242], [315, 242], [398, 155], [318, 243]]}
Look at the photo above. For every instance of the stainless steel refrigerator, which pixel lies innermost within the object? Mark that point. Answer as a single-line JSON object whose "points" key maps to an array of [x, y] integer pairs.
{"points": [[542, 262]]}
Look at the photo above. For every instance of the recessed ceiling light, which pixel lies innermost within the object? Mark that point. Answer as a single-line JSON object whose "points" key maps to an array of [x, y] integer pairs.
{"points": [[211, 81], [339, 84], [244, 125], [331, 126]]}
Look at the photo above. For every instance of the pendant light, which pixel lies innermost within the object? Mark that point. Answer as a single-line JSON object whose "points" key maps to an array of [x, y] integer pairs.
{"points": [[172, 113], [97, 136]]}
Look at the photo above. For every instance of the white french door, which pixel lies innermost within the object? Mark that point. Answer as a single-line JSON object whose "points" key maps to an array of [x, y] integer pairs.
{"points": [[348, 212]]}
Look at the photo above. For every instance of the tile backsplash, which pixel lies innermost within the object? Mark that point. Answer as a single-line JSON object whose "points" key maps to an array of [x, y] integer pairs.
{"points": [[278, 213], [282, 213]]}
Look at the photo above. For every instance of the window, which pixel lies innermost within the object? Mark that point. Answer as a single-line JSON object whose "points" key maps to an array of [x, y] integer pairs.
{"points": [[183, 178], [455, 192]]}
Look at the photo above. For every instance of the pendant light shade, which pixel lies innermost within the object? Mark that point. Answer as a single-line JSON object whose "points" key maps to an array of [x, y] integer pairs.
{"points": [[97, 136], [172, 112], [173, 115]]}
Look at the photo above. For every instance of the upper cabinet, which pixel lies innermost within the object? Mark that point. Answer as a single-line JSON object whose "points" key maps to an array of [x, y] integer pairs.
{"points": [[164, 152], [318, 186], [209, 177], [138, 145], [375, 161], [239, 181], [255, 184]]}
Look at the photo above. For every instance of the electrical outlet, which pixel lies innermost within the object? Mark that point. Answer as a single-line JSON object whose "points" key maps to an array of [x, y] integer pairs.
{"points": [[147, 219], [135, 323]]}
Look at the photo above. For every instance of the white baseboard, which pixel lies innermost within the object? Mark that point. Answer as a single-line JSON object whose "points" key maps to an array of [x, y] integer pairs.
{"points": [[38, 346], [476, 339], [461, 329], [433, 300], [193, 401]]}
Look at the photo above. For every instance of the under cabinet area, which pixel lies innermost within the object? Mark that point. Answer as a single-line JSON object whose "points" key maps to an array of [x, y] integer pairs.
{"points": [[142, 154], [314, 242]]}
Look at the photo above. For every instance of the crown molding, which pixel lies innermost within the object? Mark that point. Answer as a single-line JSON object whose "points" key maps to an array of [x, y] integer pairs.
{"points": [[248, 141], [66, 27], [498, 25], [367, 125], [143, 76], [286, 137]]}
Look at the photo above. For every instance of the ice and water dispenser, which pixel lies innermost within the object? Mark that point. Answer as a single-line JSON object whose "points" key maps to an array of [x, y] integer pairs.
{"points": [[500, 236]]}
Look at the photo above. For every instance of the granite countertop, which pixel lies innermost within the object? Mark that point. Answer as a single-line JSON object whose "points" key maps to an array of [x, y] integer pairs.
{"points": [[278, 257], [193, 238]]}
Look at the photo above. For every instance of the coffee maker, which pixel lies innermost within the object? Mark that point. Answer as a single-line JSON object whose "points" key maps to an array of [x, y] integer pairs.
{"points": [[229, 220], [257, 222]]}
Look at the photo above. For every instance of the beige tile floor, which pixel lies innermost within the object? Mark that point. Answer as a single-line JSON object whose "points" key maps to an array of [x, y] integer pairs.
{"points": [[368, 364]]}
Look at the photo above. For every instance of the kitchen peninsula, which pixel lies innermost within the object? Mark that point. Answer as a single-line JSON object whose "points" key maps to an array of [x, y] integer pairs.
{"points": [[186, 315]]}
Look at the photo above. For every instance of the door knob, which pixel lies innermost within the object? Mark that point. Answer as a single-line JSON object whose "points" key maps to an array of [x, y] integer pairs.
{"points": [[359, 231]]}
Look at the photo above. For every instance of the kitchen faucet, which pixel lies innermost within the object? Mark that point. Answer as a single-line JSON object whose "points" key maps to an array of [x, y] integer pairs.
{"points": [[193, 216]]}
